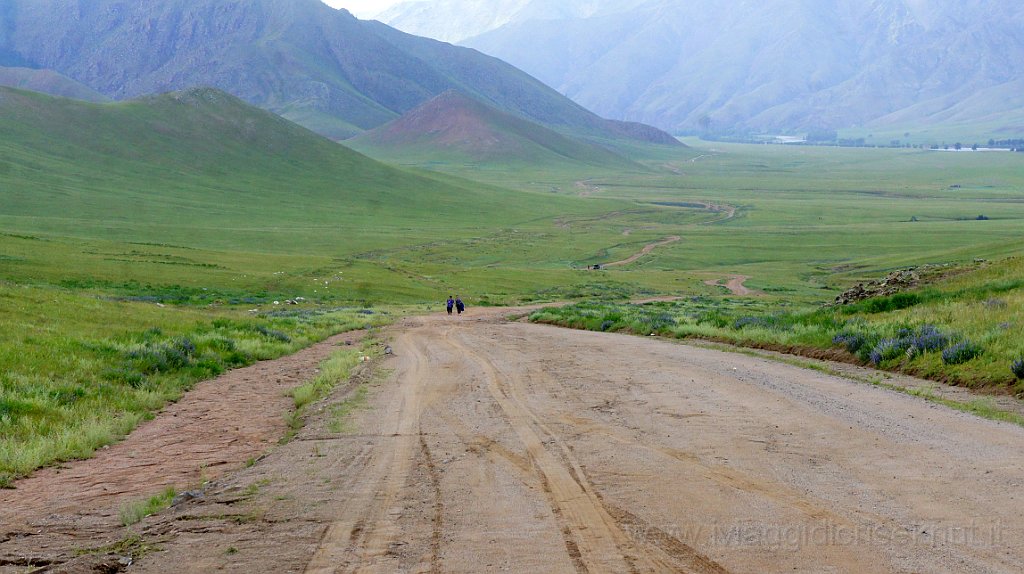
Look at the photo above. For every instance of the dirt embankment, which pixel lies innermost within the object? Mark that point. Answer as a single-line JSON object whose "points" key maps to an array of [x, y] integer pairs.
{"points": [[490, 446]]}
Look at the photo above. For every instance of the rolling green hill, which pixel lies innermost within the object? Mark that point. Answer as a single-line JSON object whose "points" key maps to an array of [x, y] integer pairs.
{"points": [[204, 169], [457, 128]]}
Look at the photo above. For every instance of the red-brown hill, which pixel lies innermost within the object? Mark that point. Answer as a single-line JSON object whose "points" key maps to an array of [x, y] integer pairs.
{"points": [[454, 126]]}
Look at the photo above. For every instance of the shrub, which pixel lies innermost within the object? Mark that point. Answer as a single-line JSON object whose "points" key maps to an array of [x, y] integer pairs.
{"points": [[1018, 368], [888, 349], [928, 339], [852, 341], [960, 353]]}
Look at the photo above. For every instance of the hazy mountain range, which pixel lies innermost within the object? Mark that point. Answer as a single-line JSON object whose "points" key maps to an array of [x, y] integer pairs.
{"points": [[458, 20], [757, 65], [317, 66]]}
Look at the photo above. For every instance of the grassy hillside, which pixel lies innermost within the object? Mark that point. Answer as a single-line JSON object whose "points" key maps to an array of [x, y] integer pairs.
{"points": [[456, 128], [201, 168]]}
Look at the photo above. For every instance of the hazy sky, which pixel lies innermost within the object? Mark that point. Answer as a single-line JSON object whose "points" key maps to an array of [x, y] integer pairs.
{"points": [[363, 8]]}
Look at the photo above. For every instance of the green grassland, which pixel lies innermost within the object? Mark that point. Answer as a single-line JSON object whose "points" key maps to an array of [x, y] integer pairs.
{"points": [[143, 245]]}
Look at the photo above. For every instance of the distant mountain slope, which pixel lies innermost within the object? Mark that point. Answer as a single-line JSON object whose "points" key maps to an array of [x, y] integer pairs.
{"points": [[774, 65], [320, 67], [457, 20], [48, 82], [455, 126], [203, 167]]}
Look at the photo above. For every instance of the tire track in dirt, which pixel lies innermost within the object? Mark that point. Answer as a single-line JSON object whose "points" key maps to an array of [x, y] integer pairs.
{"points": [[354, 543], [360, 542], [589, 541], [436, 537], [595, 541]]}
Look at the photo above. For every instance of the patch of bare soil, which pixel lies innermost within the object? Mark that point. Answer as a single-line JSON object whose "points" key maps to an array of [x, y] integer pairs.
{"points": [[213, 429], [735, 285], [484, 445]]}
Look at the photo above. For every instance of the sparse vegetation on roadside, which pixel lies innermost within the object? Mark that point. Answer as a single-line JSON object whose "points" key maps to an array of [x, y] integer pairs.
{"points": [[133, 512], [336, 369], [949, 331], [69, 389], [132, 545]]}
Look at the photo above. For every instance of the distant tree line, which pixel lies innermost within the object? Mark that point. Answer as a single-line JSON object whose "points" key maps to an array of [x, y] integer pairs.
{"points": [[1015, 145], [830, 137]]}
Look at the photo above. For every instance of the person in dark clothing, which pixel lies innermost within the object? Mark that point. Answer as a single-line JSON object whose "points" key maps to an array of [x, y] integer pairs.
{"points": [[451, 303], [459, 304]]}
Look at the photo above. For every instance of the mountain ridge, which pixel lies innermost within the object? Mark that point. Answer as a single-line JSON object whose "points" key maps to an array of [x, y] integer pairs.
{"points": [[776, 66], [320, 67]]}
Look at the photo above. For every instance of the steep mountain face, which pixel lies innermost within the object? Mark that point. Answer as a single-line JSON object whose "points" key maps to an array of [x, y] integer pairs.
{"points": [[458, 127], [48, 82], [765, 65], [317, 66]]}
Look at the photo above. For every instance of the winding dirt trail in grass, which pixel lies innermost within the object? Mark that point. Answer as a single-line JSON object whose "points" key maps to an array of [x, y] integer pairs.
{"points": [[645, 251], [484, 445], [735, 285]]}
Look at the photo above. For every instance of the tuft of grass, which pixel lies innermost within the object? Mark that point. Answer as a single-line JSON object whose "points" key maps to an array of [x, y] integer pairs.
{"points": [[132, 545], [133, 512], [341, 411], [337, 368]]}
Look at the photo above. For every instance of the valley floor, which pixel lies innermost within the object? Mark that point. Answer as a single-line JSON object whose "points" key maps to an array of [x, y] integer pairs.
{"points": [[487, 446]]}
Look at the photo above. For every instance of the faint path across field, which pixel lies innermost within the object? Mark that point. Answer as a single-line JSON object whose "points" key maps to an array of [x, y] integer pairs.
{"points": [[645, 251]]}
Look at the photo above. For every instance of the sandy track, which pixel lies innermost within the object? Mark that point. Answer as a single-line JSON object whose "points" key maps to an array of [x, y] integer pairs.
{"points": [[490, 446]]}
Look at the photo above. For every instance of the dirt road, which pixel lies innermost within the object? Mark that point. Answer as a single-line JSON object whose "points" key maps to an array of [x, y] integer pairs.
{"points": [[489, 446]]}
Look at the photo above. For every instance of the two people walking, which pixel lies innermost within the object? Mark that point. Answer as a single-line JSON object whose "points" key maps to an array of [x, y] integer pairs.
{"points": [[455, 303]]}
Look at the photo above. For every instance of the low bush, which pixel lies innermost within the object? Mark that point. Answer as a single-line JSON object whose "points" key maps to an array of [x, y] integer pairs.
{"points": [[888, 349], [852, 341]]}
